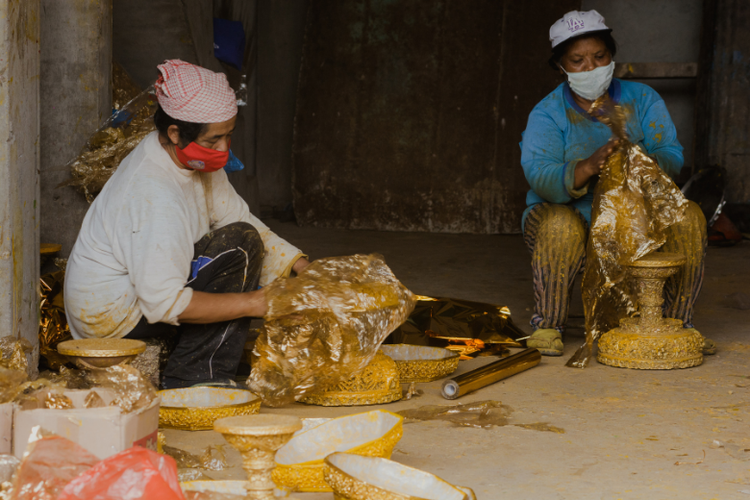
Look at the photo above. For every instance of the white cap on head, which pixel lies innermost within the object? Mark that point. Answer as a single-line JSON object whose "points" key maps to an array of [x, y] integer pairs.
{"points": [[576, 23]]}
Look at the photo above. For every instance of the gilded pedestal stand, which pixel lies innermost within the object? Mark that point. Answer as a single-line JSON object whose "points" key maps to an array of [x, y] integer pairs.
{"points": [[258, 438], [652, 342]]}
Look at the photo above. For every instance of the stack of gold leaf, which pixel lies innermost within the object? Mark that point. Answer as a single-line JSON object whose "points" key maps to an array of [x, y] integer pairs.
{"points": [[470, 328], [116, 138], [325, 325], [53, 326], [635, 201]]}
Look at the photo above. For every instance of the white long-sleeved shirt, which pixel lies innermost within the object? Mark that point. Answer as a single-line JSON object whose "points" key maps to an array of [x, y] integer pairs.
{"points": [[133, 254]]}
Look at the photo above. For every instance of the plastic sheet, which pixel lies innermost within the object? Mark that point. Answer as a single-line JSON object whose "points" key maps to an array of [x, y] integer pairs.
{"points": [[471, 328], [634, 202], [325, 325], [49, 465], [53, 325], [133, 473], [111, 143]]}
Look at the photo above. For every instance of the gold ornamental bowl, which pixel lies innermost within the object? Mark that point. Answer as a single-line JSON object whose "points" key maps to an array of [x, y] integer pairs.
{"points": [[197, 408], [421, 364], [94, 354], [650, 341], [354, 477], [378, 383], [299, 464]]}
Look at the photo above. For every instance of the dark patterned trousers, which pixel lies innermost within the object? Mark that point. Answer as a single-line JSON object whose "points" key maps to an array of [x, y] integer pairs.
{"points": [[556, 236], [227, 260]]}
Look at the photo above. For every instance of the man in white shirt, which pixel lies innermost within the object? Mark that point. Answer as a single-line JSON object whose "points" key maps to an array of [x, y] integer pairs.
{"points": [[169, 241]]}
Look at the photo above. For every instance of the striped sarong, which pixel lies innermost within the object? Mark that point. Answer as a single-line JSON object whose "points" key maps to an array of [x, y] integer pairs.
{"points": [[556, 236]]}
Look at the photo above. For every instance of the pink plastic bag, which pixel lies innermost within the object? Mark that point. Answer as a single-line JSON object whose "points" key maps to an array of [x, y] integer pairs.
{"points": [[49, 464], [136, 473]]}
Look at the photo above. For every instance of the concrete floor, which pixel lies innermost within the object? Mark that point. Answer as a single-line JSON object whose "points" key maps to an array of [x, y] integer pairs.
{"points": [[628, 434]]}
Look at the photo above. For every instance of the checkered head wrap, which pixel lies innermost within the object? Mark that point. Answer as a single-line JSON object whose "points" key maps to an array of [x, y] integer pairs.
{"points": [[194, 94]]}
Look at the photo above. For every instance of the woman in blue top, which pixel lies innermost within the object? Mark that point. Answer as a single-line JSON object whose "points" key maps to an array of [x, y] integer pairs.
{"points": [[564, 149]]}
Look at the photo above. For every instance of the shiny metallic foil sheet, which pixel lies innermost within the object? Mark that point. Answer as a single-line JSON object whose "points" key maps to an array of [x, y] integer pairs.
{"points": [[53, 325], [469, 328], [635, 201]]}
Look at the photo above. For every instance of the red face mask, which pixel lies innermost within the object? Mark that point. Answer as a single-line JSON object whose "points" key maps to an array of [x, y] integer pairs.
{"points": [[200, 158]]}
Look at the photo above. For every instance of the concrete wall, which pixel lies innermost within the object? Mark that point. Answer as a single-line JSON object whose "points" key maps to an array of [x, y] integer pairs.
{"points": [[659, 31], [76, 97], [19, 170]]}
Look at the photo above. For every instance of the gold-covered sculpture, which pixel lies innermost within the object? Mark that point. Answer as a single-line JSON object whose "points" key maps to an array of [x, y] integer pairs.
{"points": [[258, 438], [197, 408], [299, 464], [353, 477], [651, 342], [378, 383]]}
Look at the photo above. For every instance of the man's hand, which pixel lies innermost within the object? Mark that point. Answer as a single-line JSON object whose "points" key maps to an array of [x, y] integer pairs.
{"points": [[592, 165], [217, 307], [300, 265]]}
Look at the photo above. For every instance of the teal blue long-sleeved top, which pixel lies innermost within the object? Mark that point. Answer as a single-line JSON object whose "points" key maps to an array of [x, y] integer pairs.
{"points": [[559, 134]]}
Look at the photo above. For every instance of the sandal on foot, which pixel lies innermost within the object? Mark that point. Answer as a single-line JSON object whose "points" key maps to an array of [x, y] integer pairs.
{"points": [[547, 341], [709, 346]]}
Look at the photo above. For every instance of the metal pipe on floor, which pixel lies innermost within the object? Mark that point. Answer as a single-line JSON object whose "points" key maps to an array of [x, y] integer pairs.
{"points": [[491, 373]]}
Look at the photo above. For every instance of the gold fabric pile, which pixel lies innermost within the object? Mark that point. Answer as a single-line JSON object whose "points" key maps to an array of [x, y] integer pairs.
{"points": [[325, 325], [53, 326], [634, 202], [116, 138]]}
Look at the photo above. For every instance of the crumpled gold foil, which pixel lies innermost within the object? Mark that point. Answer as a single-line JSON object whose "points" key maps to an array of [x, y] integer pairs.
{"points": [[11, 384], [13, 353], [212, 458], [634, 202], [469, 328], [325, 325], [111, 143], [56, 401], [53, 325], [133, 390], [124, 88]]}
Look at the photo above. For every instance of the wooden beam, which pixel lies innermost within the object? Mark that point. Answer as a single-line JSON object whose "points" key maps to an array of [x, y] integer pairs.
{"points": [[656, 70]]}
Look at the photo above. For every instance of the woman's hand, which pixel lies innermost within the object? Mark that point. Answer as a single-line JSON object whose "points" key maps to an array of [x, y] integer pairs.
{"points": [[592, 165]]}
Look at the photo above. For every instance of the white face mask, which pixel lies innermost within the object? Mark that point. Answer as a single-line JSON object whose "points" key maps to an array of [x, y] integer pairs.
{"points": [[591, 84]]}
